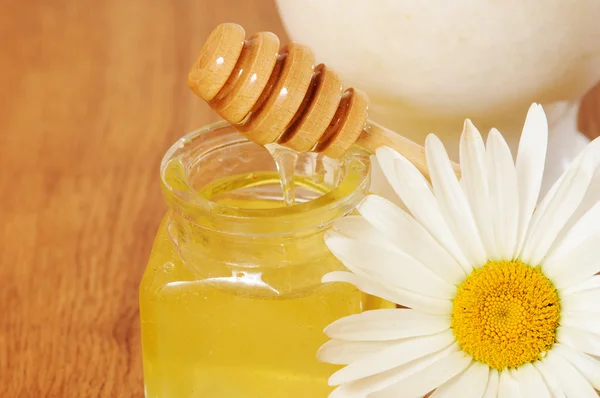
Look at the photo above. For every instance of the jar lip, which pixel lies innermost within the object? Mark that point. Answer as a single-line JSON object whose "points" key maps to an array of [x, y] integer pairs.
{"points": [[186, 201]]}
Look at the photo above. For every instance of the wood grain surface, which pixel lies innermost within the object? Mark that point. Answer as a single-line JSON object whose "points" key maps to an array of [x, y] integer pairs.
{"points": [[92, 93]]}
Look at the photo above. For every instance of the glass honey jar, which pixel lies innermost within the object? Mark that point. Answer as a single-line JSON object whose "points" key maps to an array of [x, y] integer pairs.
{"points": [[232, 304]]}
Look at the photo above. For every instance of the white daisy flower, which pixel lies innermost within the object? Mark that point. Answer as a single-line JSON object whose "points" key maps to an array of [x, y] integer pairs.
{"points": [[503, 293]]}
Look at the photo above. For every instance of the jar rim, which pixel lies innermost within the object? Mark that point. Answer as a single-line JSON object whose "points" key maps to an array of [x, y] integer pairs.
{"points": [[332, 205]]}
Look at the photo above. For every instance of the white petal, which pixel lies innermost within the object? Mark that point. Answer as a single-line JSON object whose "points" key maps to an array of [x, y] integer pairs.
{"points": [[587, 157], [530, 381], [469, 384], [415, 192], [585, 364], [556, 208], [363, 387], [491, 390], [392, 357], [395, 295], [504, 196], [581, 320], [586, 163], [389, 267], [579, 340], [531, 158], [584, 301], [474, 182], [420, 383], [380, 185], [570, 381], [589, 200], [356, 227], [508, 387], [406, 233], [590, 156], [387, 324], [340, 393], [340, 352], [576, 266], [452, 201], [364, 284], [590, 283], [587, 225], [551, 383]]}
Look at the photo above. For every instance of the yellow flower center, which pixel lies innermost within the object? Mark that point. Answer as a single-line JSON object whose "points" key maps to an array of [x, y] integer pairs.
{"points": [[505, 314]]}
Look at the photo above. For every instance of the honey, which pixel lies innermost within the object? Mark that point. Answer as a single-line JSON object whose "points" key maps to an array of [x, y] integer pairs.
{"points": [[204, 341], [231, 300]]}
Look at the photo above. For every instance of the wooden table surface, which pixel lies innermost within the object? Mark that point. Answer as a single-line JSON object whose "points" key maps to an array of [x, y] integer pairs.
{"points": [[92, 93]]}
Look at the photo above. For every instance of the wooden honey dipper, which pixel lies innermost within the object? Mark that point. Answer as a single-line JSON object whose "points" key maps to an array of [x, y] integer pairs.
{"points": [[272, 95]]}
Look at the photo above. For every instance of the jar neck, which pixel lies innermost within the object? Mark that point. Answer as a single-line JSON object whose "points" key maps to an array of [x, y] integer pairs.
{"points": [[198, 172], [198, 244], [286, 265]]}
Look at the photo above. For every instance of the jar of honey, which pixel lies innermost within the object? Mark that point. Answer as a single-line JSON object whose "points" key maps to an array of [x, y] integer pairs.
{"points": [[232, 304]]}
